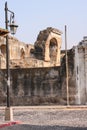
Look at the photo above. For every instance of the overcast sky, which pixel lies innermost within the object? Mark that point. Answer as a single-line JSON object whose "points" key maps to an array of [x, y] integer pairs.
{"points": [[33, 16]]}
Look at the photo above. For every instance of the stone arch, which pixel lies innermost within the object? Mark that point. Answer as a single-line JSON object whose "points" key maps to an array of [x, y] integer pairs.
{"points": [[48, 40], [55, 41]]}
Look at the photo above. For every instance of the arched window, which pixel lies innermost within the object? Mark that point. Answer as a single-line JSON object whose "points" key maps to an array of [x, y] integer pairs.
{"points": [[53, 49], [3, 50], [22, 53]]}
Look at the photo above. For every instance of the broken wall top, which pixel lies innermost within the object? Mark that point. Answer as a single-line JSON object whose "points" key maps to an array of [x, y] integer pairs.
{"points": [[43, 35]]}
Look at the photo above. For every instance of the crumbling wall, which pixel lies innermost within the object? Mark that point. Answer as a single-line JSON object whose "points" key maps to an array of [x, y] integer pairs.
{"points": [[71, 76], [44, 53], [40, 86], [17, 51]]}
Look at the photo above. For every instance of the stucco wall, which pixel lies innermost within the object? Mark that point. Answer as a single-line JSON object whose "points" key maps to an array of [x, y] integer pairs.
{"points": [[81, 74]]}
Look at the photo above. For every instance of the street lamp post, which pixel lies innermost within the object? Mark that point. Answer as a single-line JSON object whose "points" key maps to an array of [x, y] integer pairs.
{"points": [[13, 28]]}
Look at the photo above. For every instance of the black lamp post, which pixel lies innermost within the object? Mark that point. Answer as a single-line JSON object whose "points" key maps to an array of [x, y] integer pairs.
{"points": [[13, 28]]}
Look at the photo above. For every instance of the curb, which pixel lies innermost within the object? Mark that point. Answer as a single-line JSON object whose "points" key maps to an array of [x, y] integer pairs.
{"points": [[9, 124]]}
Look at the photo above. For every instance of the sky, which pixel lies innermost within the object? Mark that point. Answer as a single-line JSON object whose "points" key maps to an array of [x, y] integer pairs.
{"points": [[32, 16]]}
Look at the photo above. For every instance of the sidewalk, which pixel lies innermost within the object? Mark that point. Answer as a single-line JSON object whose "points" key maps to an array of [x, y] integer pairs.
{"points": [[56, 107]]}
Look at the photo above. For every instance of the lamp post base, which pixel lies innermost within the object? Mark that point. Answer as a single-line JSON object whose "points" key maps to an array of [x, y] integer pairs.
{"points": [[8, 114]]}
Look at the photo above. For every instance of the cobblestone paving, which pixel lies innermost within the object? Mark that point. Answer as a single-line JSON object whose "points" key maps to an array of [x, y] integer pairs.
{"points": [[50, 119]]}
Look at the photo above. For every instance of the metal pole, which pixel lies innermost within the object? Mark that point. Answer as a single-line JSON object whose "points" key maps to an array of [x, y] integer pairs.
{"points": [[67, 85], [7, 57]]}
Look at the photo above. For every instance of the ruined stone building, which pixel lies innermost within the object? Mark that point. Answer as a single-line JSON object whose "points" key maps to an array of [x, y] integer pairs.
{"points": [[38, 72], [18, 51], [44, 53]]}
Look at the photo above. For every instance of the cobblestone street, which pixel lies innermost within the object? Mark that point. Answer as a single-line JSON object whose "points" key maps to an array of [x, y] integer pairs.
{"points": [[50, 119]]}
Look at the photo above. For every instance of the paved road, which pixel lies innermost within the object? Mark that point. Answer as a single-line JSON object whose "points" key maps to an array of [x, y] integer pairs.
{"points": [[31, 127], [49, 119]]}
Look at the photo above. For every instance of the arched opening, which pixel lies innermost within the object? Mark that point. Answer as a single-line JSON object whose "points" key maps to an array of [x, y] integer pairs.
{"points": [[22, 53], [53, 49], [3, 49]]}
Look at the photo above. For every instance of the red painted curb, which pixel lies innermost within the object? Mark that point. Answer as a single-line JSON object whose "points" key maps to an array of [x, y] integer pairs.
{"points": [[9, 124]]}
